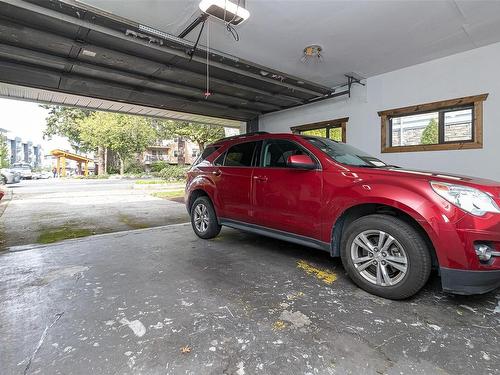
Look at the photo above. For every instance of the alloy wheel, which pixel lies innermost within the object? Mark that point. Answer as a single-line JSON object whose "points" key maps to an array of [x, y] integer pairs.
{"points": [[201, 218], [379, 258]]}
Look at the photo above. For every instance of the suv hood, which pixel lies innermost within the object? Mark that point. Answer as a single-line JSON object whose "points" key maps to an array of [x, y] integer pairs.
{"points": [[447, 177], [432, 176]]}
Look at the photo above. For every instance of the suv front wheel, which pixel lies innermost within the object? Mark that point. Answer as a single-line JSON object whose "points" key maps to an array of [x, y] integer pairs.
{"points": [[385, 256], [203, 218]]}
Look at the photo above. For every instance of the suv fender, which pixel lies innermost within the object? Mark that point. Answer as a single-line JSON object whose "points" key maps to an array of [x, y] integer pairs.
{"points": [[204, 184], [422, 210]]}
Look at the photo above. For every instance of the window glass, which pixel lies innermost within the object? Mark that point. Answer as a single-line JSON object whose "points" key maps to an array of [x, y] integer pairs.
{"points": [[458, 125], [240, 155], [276, 153], [432, 128], [336, 134], [315, 132], [332, 132], [421, 129], [220, 160], [257, 152], [209, 150]]}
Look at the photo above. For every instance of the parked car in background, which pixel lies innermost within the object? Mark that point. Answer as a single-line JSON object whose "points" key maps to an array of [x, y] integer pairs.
{"points": [[9, 176], [24, 169], [41, 175], [388, 225]]}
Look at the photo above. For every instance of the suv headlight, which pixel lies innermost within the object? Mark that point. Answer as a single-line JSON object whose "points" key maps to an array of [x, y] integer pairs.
{"points": [[467, 198]]}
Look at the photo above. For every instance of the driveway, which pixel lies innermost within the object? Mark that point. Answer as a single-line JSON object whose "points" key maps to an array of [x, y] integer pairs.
{"points": [[162, 301], [44, 210]]}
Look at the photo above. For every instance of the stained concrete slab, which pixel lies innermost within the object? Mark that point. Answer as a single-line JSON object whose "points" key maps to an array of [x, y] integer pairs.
{"points": [[162, 301], [39, 208]]}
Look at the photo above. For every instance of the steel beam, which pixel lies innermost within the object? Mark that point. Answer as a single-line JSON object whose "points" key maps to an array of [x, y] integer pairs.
{"points": [[10, 34]]}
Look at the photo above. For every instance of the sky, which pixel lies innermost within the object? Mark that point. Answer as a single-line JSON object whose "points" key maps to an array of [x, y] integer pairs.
{"points": [[27, 121]]}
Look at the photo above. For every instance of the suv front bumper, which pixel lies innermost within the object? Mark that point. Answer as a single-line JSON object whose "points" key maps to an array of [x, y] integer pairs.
{"points": [[469, 282]]}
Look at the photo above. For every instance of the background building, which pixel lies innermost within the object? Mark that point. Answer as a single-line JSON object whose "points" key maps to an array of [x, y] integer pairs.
{"points": [[22, 151], [168, 150]]}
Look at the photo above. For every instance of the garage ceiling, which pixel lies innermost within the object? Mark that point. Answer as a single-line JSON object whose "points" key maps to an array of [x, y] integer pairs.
{"points": [[79, 49], [72, 49], [366, 37]]}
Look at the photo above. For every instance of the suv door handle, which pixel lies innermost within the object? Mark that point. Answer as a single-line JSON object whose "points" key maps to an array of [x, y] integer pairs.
{"points": [[217, 172], [260, 178]]}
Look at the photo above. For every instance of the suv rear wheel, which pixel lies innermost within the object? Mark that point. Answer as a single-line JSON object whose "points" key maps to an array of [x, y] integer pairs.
{"points": [[385, 256], [204, 219]]}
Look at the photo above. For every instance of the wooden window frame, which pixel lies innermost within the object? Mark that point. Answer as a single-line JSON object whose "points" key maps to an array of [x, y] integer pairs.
{"points": [[476, 102], [330, 124]]}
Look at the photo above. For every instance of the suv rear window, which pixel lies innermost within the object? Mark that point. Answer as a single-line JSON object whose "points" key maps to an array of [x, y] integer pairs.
{"points": [[209, 150], [240, 155]]}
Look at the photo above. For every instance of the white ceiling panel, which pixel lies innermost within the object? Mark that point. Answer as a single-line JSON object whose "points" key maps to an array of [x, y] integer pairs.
{"points": [[366, 37]]}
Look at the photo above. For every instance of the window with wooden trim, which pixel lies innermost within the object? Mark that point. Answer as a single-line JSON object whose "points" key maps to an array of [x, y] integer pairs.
{"points": [[332, 129], [446, 125]]}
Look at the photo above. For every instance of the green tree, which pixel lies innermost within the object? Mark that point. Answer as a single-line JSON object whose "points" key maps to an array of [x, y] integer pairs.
{"points": [[64, 122], [430, 135], [335, 133], [4, 152], [201, 134], [124, 134]]}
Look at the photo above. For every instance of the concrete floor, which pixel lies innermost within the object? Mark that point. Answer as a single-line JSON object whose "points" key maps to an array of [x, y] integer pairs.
{"points": [[127, 303], [96, 206]]}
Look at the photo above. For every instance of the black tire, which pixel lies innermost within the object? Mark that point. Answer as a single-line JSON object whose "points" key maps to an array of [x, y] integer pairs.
{"points": [[408, 245], [212, 227]]}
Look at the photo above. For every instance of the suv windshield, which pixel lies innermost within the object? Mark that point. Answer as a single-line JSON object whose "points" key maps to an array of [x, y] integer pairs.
{"points": [[345, 154]]}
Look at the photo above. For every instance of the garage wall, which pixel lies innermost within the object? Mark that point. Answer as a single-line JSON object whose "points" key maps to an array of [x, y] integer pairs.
{"points": [[469, 73]]}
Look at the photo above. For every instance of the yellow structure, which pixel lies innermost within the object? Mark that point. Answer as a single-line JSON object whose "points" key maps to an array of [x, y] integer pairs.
{"points": [[61, 161]]}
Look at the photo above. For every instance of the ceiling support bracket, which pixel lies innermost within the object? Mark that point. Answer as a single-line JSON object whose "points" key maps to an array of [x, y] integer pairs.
{"points": [[351, 80]]}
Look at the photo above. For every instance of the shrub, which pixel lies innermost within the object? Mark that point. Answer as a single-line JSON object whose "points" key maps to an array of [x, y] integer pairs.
{"points": [[158, 166], [134, 166], [173, 173]]}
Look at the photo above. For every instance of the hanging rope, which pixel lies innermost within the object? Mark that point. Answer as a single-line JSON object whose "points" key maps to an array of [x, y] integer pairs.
{"points": [[207, 91]]}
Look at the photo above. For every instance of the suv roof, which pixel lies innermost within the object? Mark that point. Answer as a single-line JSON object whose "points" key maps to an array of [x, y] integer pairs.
{"points": [[242, 136], [258, 135]]}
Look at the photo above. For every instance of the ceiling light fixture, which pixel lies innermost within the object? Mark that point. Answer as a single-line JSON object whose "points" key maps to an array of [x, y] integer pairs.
{"points": [[312, 52], [225, 10]]}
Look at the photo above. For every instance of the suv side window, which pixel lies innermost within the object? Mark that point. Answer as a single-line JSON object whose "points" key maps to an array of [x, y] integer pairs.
{"points": [[277, 151], [240, 155]]}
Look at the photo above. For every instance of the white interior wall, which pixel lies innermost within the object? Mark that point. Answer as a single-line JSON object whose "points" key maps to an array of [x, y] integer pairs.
{"points": [[469, 73]]}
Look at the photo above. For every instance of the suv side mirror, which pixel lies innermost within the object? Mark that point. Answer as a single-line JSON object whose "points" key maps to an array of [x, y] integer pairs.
{"points": [[300, 162]]}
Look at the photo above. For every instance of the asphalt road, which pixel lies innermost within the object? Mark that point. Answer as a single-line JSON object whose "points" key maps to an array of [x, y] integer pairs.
{"points": [[42, 209], [162, 301]]}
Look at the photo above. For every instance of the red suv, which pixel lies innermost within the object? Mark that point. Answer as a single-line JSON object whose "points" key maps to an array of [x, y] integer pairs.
{"points": [[389, 225]]}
